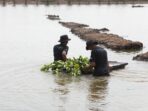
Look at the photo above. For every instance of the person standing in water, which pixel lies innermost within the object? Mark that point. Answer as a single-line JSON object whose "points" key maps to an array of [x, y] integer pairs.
{"points": [[60, 50], [98, 59]]}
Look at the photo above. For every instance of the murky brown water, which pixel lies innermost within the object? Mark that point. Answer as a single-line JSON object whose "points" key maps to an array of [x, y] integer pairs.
{"points": [[26, 41]]}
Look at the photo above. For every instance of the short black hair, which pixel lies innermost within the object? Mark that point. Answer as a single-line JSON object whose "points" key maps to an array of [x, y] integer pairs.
{"points": [[90, 43]]}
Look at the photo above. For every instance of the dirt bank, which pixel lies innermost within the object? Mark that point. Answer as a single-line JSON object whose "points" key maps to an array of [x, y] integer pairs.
{"points": [[109, 40], [141, 57]]}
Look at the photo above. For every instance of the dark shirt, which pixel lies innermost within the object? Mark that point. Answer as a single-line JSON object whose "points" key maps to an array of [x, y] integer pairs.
{"points": [[58, 50], [99, 56]]}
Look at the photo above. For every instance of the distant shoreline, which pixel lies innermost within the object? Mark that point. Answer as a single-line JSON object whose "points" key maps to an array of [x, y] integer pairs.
{"points": [[71, 2]]}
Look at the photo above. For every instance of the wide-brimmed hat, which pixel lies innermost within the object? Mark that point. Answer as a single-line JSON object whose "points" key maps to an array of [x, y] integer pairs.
{"points": [[90, 43], [64, 38]]}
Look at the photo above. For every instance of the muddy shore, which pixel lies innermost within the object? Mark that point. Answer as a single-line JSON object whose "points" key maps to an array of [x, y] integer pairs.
{"points": [[141, 57], [109, 40]]}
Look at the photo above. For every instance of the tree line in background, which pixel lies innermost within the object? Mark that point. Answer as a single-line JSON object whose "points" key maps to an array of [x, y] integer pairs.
{"points": [[48, 2]]}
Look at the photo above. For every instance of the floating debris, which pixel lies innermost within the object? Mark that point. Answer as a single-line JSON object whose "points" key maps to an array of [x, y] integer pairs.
{"points": [[114, 65], [53, 17], [141, 57], [137, 6]]}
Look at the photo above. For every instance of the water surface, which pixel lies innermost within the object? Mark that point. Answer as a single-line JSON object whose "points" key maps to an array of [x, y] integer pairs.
{"points": [[26, 41]]}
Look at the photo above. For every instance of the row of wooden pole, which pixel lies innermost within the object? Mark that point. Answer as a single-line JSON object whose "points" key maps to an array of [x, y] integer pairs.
{"points": [[47, 2]]}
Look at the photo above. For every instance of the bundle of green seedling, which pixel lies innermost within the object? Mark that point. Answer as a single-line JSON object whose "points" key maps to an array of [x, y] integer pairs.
{"points": [[74, 67]]}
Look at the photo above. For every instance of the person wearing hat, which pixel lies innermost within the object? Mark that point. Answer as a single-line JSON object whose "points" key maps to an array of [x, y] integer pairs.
{"points": [[98, 59], [60, 50]]}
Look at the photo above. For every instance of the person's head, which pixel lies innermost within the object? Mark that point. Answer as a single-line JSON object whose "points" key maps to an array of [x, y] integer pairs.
{"points": [[64, 39], [90, 44]]}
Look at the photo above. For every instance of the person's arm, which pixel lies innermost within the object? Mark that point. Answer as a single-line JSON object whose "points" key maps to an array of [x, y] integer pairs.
{"points": [[92, 64], [55, 52], [109, 67], [64, 55], [92, 60]]}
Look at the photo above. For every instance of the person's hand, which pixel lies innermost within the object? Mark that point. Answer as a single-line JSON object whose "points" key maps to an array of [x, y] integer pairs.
{"points": [[110, 68], [87, 69], [64, 55]]}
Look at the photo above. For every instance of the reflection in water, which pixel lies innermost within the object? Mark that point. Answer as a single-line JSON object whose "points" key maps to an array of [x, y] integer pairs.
{"points": [[62, 80], [98, 89], [97, 93], [62, 90]]}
